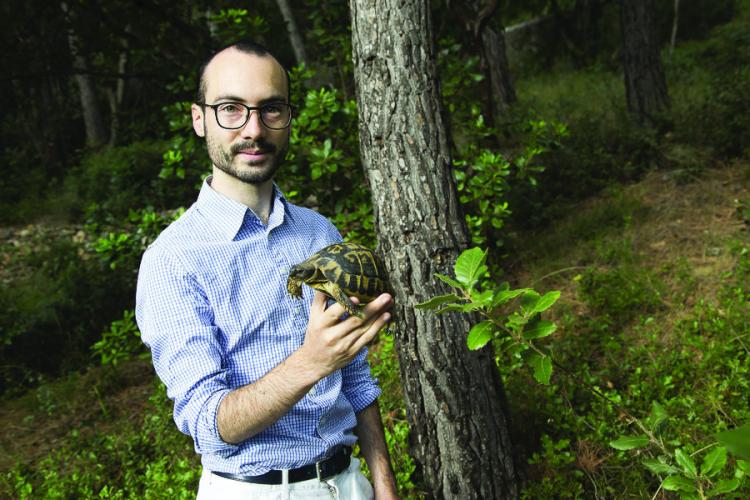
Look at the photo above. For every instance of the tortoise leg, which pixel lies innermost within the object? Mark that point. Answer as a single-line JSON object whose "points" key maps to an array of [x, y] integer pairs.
{"points": [[339, 296]]}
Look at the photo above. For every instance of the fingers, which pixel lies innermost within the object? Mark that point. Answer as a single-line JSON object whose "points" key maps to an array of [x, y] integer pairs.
{"points": [[335, 342], [375, 314], [372, 328], [382, 303], [332, 314]]}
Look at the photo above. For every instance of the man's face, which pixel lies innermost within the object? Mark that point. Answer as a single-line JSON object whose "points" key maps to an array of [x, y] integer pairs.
{"points": [[253, 153]]}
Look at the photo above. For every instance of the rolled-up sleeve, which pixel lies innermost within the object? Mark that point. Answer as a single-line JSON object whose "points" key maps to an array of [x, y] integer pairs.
{"points": [[359, 387], [177, 324]]}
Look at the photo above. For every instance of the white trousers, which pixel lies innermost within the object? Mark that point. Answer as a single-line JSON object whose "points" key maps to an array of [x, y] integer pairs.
{"points": [[347, 485]]}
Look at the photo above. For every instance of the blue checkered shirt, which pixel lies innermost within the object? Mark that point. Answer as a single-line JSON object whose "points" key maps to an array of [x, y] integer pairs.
{"points": [[212, 306]]}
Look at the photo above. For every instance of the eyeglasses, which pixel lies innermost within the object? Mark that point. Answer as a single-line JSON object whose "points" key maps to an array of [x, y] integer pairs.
{"points": [[234, 115]]}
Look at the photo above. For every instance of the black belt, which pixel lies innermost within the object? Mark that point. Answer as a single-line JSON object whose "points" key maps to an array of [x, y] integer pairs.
{"points": [[324, 469]]}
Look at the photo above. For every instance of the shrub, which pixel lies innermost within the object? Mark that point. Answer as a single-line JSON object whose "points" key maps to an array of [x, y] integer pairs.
{"points": [[110, 182], [710, 83], [620, 294], [147, 458], [51, 313]]}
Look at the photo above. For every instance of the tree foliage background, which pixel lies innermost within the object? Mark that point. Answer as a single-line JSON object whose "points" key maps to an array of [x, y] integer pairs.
{"points": [[76, 213]]}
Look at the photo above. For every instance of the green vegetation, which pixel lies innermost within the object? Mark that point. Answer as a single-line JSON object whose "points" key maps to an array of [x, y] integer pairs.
{"points": [[644, 233]]}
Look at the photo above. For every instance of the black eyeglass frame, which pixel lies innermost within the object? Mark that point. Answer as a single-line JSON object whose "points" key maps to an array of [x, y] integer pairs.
{"points": [[215, 107]]}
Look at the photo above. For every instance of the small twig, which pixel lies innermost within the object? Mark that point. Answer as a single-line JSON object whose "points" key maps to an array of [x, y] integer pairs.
{"points": [[556, 272], [703, 449], [657, 491]]}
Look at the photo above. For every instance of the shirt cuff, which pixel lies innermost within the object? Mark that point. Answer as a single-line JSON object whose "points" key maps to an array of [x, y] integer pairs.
{"points": [[207, 438]]}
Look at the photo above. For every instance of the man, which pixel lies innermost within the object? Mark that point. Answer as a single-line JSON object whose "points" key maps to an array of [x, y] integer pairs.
{"points": [[274, 391]]}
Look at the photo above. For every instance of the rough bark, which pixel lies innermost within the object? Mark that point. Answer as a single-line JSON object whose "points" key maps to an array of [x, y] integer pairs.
{"points": [[92, 116], [298, 45], [454, 397], [645, 84]]}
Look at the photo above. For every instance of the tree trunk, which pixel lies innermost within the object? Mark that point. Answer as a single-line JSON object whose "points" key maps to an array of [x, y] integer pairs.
{"points": [[493, 52], [118, 94], [675, 22], [645, 84], [294, 37], [494, 63], [92, 116], [455, 400]]}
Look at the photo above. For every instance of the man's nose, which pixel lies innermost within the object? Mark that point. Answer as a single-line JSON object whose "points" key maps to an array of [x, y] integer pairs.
{"points": [[254, 126]]}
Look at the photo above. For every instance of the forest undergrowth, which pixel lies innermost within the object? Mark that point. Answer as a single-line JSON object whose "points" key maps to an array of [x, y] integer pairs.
{"points": [[654, 306], [654, 281]]}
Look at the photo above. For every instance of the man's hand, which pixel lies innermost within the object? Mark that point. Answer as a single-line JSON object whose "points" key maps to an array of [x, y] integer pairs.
{"points": [[332, 343]]}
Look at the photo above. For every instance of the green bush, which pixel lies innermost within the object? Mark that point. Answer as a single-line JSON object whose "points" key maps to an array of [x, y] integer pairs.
{"points": [[601, 145], [710, 83], [51, 313], [147, 458], [111, 181], [695, 370], [121, 342], [620, 294]]}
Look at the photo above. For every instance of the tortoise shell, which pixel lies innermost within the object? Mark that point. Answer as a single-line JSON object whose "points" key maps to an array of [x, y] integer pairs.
{"points": [[342, 270]]}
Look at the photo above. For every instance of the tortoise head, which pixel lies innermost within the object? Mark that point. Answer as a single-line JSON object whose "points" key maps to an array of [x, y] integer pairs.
{"points": [[298, 275]]}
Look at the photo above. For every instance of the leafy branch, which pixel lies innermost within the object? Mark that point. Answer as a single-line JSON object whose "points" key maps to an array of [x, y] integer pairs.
{"points": [[515, 331], [512, 321]]}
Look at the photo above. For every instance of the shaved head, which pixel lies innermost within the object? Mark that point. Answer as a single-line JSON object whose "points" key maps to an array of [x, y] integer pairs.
{"points": [[244, 47]]}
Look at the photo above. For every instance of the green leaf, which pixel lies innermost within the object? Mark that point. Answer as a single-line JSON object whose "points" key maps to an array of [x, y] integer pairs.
{"points": [[450, 281], [316, 172], [434, 302], [542, 366], [678, 483], [743, 466], [724, 486], [471, 306], [539, 330], [529, 300], [450, 308], [545, 302], [737, 441], [714, 461], [629, 442], [503, 296], [470, 266], [659, 467], [483, 299], [687, 464], [657, 417], [480, 334]]}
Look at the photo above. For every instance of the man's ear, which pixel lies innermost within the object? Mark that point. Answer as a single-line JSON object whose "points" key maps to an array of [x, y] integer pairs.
{"points": [[199, 120]]}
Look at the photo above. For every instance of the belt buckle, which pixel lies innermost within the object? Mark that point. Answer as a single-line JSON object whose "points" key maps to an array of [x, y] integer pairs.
{"points": [[319, 471]]}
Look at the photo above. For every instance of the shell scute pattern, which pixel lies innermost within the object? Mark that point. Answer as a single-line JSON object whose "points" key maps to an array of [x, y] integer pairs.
{"points": [[342, 270]]}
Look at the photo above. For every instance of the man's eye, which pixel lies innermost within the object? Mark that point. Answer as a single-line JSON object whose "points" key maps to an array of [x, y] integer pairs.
{"points": [[273, 109], [230, 108]]}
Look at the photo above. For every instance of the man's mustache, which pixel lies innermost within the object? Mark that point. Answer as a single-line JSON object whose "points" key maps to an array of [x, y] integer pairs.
{"points": [[261, 146]]}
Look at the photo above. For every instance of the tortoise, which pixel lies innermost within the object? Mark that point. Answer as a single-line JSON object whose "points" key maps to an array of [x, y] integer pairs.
{"points": [[342, 270]]}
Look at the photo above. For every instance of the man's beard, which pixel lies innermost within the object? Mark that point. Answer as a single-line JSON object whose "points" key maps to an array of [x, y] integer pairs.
{"points": [[223, 160]]}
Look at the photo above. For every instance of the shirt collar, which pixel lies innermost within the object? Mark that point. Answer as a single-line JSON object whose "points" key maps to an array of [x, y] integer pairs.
{"points": [[230, 216]]}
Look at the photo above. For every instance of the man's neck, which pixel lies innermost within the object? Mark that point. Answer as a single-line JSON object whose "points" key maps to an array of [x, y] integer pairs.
{"points": [[257, 197]]}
